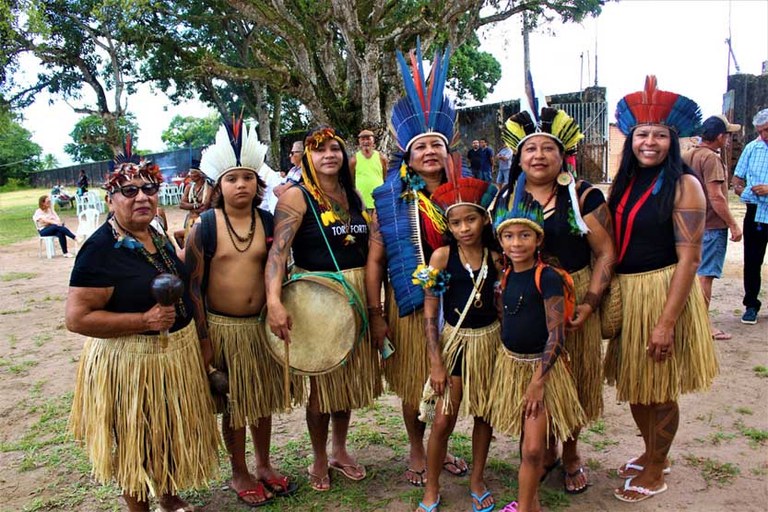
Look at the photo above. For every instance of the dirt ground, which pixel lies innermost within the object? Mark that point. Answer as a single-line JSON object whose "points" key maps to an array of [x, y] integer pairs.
{"points": [[719, 456]]}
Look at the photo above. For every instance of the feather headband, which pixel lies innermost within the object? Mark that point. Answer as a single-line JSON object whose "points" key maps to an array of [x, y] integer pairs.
{"points": [[425, 109], [127, 166], [236, 147], [518, 211], [653, 106], [556, 124], [460, 191]]}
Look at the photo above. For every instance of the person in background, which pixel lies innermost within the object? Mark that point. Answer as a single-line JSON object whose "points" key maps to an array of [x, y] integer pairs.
{"points": [[293, 176], [474, 156], [504, 162], [368, 167], [486, 161], [705, 160], [750, 182], [49, 224], [195, 199], [82, 183]]}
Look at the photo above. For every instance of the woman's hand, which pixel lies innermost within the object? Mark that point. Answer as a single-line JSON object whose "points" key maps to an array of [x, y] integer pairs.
{"points": [[534, 397], [280, 321], [160, 318], [438, 378], [379, 331], [662, 343], [580, 315]]}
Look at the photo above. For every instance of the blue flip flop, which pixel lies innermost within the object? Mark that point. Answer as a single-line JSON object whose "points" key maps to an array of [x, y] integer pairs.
{"points": [[430, 508], [480, 500]]}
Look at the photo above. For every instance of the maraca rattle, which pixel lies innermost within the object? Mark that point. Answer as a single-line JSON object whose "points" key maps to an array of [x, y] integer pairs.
{"points": [[167, 289]]}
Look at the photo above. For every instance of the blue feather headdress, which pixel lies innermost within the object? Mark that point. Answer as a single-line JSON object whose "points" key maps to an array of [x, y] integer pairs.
{"points": [[653, 106], [518, 210], [425, 109]]}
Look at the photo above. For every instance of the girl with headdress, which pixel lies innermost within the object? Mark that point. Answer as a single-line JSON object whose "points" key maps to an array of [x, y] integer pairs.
{"points": [[665, 347], [533, 393], [463, 275], [323, 221], [407, 228], [142, 405], [578, 235]]}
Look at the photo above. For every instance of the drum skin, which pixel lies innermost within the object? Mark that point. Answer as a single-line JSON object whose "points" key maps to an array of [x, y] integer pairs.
{"points": [[325, 326]]}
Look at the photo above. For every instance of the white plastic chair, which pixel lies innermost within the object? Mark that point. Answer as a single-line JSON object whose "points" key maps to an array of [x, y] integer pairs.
{"points": [[96, 201], [88, 222], [174, 193], [49, 242], [164, 195]]}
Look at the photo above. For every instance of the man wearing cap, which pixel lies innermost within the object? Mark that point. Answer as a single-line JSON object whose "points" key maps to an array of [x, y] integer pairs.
{"points": [[293, 176], [706, 162], [368, 167], [750, 181]]}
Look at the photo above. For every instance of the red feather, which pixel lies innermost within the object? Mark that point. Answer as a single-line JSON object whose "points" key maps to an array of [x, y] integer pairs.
{"points": [[417, 82]]}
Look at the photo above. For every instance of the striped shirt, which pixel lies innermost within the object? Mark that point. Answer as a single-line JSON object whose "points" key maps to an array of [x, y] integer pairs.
{"points": [[753, 169]]}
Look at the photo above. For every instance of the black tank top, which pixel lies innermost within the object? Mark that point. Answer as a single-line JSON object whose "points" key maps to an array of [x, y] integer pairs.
{"points": [[461, 286], [652, 242], [571, 250], [310, 251]]}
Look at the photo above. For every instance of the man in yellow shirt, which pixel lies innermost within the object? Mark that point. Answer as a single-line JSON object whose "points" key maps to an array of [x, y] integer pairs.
{"points": [[368, 166]]}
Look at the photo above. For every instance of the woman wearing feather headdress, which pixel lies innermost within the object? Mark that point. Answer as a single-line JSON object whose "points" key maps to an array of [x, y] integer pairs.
{"points": [[665, 347], [406, 229], [577, 228], [142, 406]]}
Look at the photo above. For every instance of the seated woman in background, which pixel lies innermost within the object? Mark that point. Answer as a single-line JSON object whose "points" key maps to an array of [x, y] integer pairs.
{"points": [[49, 224]]}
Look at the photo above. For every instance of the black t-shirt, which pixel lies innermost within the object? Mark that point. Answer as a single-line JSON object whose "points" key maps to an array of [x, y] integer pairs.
{"points": [[100, 265], [571, 250], [310, 251], [652, 242], [524, 322], [461, 286], [475, 157]]}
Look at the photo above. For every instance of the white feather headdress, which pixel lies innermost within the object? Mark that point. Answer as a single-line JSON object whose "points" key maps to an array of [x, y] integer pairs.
{"points": [[236, 147]]}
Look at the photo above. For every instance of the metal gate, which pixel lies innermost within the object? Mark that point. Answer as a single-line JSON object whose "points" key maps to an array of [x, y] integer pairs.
{"points": [[592, 158]]}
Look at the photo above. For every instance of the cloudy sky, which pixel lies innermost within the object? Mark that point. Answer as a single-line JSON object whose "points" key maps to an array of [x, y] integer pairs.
{"points": [[681, 42]]}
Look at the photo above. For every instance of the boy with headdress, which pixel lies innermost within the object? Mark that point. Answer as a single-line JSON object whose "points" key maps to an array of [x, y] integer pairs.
{"points": [[226, 255]]}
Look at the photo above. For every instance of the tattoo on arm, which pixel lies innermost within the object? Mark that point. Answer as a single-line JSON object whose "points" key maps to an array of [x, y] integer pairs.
{"points": [[287, 222], [375, 231], [689, 226], [555, 311], [195, 262], [433, 337]]}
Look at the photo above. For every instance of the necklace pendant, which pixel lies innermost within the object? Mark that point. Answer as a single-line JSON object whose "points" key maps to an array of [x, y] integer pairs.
{"points": [[478, 301]]}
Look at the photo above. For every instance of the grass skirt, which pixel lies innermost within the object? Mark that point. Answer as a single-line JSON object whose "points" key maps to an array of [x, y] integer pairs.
{"points": [[256, 385], [511, 376], [407, 369], [585, 350], [693, 365], [145, 413], [356, 383], [478, 348]]}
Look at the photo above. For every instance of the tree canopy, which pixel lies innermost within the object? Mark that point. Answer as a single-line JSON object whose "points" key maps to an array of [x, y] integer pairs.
{"points": [[89, 134], [190, 132], [18, 154]]}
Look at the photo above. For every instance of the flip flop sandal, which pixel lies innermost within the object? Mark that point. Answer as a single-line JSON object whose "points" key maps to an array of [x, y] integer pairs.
{"points": [[344, 470], [566, 475], [280, 486], [418, 479], [510, 507], [630, 464], [644, 492], [454, 462], [258, 491], [318, 483], [480, 499], [430, 508]]}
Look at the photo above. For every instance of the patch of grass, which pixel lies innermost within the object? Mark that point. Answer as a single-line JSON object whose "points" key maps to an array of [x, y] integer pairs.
{"points": [[41, 339], [744, 410], [14, 311], [755, 435], [12, 340], [595, 437], [717, 437], [721, 473], [761, 371], [594, 464], [16, 209], [22, 367], [15, 276], [597, 427]]}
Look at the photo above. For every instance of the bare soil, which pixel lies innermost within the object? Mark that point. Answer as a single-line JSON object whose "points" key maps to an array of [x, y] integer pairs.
{"points": [[719, 456]]}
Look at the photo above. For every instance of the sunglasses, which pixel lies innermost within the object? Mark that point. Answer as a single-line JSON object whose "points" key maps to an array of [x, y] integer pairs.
{"points": [[130, 191]]}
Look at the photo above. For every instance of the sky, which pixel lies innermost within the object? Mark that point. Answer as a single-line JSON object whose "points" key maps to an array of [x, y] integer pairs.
{"points": [[682, 42]]}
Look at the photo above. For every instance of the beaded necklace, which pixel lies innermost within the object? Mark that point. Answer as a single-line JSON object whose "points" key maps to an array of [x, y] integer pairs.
{"points": [[477, 284], [161, 261], [248, 239]]}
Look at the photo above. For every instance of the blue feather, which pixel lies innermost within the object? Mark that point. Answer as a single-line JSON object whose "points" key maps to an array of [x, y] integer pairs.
{"points": [[625, 119], [685, 117]]}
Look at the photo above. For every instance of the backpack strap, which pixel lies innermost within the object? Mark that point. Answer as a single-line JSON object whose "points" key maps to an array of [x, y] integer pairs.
{"points": [[207, 229], [268, 221]]}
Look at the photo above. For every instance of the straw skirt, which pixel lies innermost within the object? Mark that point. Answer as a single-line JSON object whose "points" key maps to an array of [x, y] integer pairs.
{"points": [[407, 369], [356, 383], [585, 350], [256, 379], [511, 376], [145, 414], [693, 365]]}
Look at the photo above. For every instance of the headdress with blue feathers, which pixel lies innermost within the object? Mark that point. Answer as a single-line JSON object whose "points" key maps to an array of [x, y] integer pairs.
{"points": [[653, 106], [519, 210]]}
